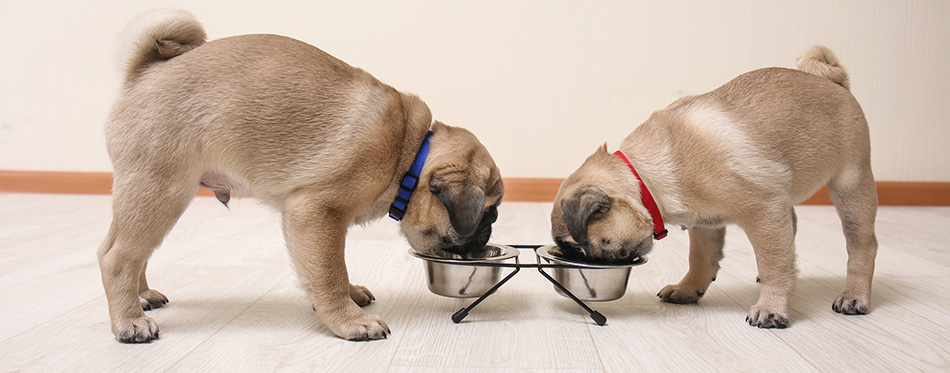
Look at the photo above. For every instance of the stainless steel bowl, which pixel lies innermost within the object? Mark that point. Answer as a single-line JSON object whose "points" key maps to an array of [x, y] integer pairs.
{"points": [[447, 274], [590, 281]]}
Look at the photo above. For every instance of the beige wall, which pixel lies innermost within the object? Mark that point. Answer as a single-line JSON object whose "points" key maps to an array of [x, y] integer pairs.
{"points": [[542, 83]]}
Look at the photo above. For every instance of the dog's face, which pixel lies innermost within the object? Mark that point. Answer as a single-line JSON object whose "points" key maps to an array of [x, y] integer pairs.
{"points": [[598, 215], [458, 195]]}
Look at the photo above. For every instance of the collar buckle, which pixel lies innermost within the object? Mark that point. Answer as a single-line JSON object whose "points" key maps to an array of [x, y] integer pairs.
{"points": [[398, 208]]}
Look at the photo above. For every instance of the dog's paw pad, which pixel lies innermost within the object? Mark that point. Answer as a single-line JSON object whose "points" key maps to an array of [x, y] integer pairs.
{"points": [[849, 306], [676, 294], [139, 330], [366, 328], [767, 319]]}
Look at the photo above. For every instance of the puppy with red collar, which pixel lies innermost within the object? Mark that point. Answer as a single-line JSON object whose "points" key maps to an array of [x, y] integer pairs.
{"points": [[744, 154]]}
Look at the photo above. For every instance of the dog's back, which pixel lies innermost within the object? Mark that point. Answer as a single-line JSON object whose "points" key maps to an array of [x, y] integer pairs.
{"points": [[252, 102], [776, 125]]}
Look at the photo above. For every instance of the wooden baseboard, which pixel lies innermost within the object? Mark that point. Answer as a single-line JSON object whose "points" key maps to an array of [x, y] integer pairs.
{"points": [[890, 193], [531, 189], [898, 193], [61, 182]]}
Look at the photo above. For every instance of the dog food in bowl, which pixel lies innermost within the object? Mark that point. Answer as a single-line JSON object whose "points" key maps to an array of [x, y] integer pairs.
{"points": [[448, 275], [589, 281]]}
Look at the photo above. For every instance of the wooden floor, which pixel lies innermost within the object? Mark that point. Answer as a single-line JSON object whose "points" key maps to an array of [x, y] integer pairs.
{"points": [[236, 306]]}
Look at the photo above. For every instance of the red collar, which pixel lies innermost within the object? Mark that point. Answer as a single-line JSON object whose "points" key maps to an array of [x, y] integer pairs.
{"points": [[658, 230]]}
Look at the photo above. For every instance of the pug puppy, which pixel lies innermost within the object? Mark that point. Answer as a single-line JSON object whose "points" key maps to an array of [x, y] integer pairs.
{"points": [[745, 154], [324, 143]]}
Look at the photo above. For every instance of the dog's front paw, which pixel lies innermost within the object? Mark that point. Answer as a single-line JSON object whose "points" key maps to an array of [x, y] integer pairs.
{"points": [[766, 318], [850, 305], [136, 330], [679, 294], [364, 328], [361, 295], [151, 299]]}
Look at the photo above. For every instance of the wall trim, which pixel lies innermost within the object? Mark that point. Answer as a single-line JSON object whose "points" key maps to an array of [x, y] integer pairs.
{"points": [[61, 182], [890, 193]]}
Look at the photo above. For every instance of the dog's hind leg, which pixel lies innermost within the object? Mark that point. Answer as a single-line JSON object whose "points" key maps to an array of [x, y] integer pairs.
{"points": [[855, 197], [144, 209], [705, 252]]}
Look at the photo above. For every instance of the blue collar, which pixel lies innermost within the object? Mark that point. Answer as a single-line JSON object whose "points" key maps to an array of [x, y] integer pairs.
{"points": [[409, 181]]}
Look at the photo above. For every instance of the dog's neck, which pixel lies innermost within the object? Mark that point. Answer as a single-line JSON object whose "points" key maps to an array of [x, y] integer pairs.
{"points": [[653, 162], [659, 229], [410, 180], [413, 135]]}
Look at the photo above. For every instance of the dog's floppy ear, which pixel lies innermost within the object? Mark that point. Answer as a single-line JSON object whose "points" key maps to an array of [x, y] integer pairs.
{"points": [[464, 202], [579, 207]]}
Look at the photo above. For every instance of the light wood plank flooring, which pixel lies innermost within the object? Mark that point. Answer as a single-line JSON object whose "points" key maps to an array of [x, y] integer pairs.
{"points": [[236, 306]]}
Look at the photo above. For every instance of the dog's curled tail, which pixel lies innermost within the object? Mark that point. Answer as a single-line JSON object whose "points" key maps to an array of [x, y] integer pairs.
{"points": [[157, 36], [819, 60]]}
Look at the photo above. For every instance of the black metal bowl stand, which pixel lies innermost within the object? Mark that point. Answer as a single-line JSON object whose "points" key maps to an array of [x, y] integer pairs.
{"points": [[517, 265]]}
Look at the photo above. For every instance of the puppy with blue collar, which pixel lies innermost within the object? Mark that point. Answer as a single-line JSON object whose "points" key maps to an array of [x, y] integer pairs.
{"points": [[325, 144]]}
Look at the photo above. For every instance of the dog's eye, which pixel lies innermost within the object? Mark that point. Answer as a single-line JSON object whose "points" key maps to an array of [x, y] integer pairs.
{"points": [[603, 209]]}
